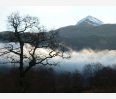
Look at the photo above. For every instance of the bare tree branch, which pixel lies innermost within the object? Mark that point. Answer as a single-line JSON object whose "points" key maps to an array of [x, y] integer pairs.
{"points": [[37, 39]]}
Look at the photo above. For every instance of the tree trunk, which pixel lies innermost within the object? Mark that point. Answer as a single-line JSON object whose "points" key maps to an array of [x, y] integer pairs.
{"points": [[21, 68], [21, 59]]}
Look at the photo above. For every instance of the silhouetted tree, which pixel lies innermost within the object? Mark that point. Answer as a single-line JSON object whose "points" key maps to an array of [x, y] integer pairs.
{"points": [[36, 48], [105, 78], [91, 69]]}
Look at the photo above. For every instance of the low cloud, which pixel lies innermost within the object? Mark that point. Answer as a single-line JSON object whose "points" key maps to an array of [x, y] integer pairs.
{"points": [[86, 56], [79, 59]]}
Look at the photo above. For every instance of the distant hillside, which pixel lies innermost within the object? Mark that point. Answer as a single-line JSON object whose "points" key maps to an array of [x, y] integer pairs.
{"points": [[95, 37]]}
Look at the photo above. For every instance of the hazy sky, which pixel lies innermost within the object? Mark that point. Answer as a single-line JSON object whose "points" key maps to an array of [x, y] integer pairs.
{"points": [[54, 17]]}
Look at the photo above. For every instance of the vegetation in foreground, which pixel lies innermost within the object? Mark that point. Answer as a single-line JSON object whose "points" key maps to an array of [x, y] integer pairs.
{"points": [[95, 78]]}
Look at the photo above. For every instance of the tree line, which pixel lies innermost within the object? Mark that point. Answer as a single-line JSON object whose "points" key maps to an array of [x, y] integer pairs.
{"points": [[95, 78]]}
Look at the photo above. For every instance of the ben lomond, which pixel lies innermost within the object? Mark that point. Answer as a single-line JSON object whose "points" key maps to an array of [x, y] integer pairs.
{"points": [[89, 32]]}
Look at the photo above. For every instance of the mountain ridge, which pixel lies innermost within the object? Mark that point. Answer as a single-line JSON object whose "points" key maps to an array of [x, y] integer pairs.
{"points": [[96, 37]]}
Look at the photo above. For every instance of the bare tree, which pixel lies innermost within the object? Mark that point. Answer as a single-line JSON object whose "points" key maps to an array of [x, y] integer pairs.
{"points": [[91, 69], [19, 26], [35, 45]]}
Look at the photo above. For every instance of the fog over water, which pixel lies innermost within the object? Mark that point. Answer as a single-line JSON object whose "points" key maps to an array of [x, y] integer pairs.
{"points": [[79, 59]]}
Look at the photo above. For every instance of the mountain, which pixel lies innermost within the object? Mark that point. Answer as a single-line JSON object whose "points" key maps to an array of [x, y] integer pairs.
{"points": [[94, 34], [89, 20], [89, 32]]}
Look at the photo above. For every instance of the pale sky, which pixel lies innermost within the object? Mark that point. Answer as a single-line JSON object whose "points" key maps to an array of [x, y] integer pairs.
{"points": [[53, 17]]}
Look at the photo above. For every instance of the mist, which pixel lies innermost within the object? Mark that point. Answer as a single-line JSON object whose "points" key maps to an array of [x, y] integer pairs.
{"points": [[79, 59]]}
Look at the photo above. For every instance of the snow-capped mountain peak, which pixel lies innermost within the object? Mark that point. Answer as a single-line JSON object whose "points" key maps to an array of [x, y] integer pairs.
{"points": [[89, 20]]}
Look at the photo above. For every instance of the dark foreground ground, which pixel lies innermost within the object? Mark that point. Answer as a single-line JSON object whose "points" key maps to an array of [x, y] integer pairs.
{"points": [[45, 80]]}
